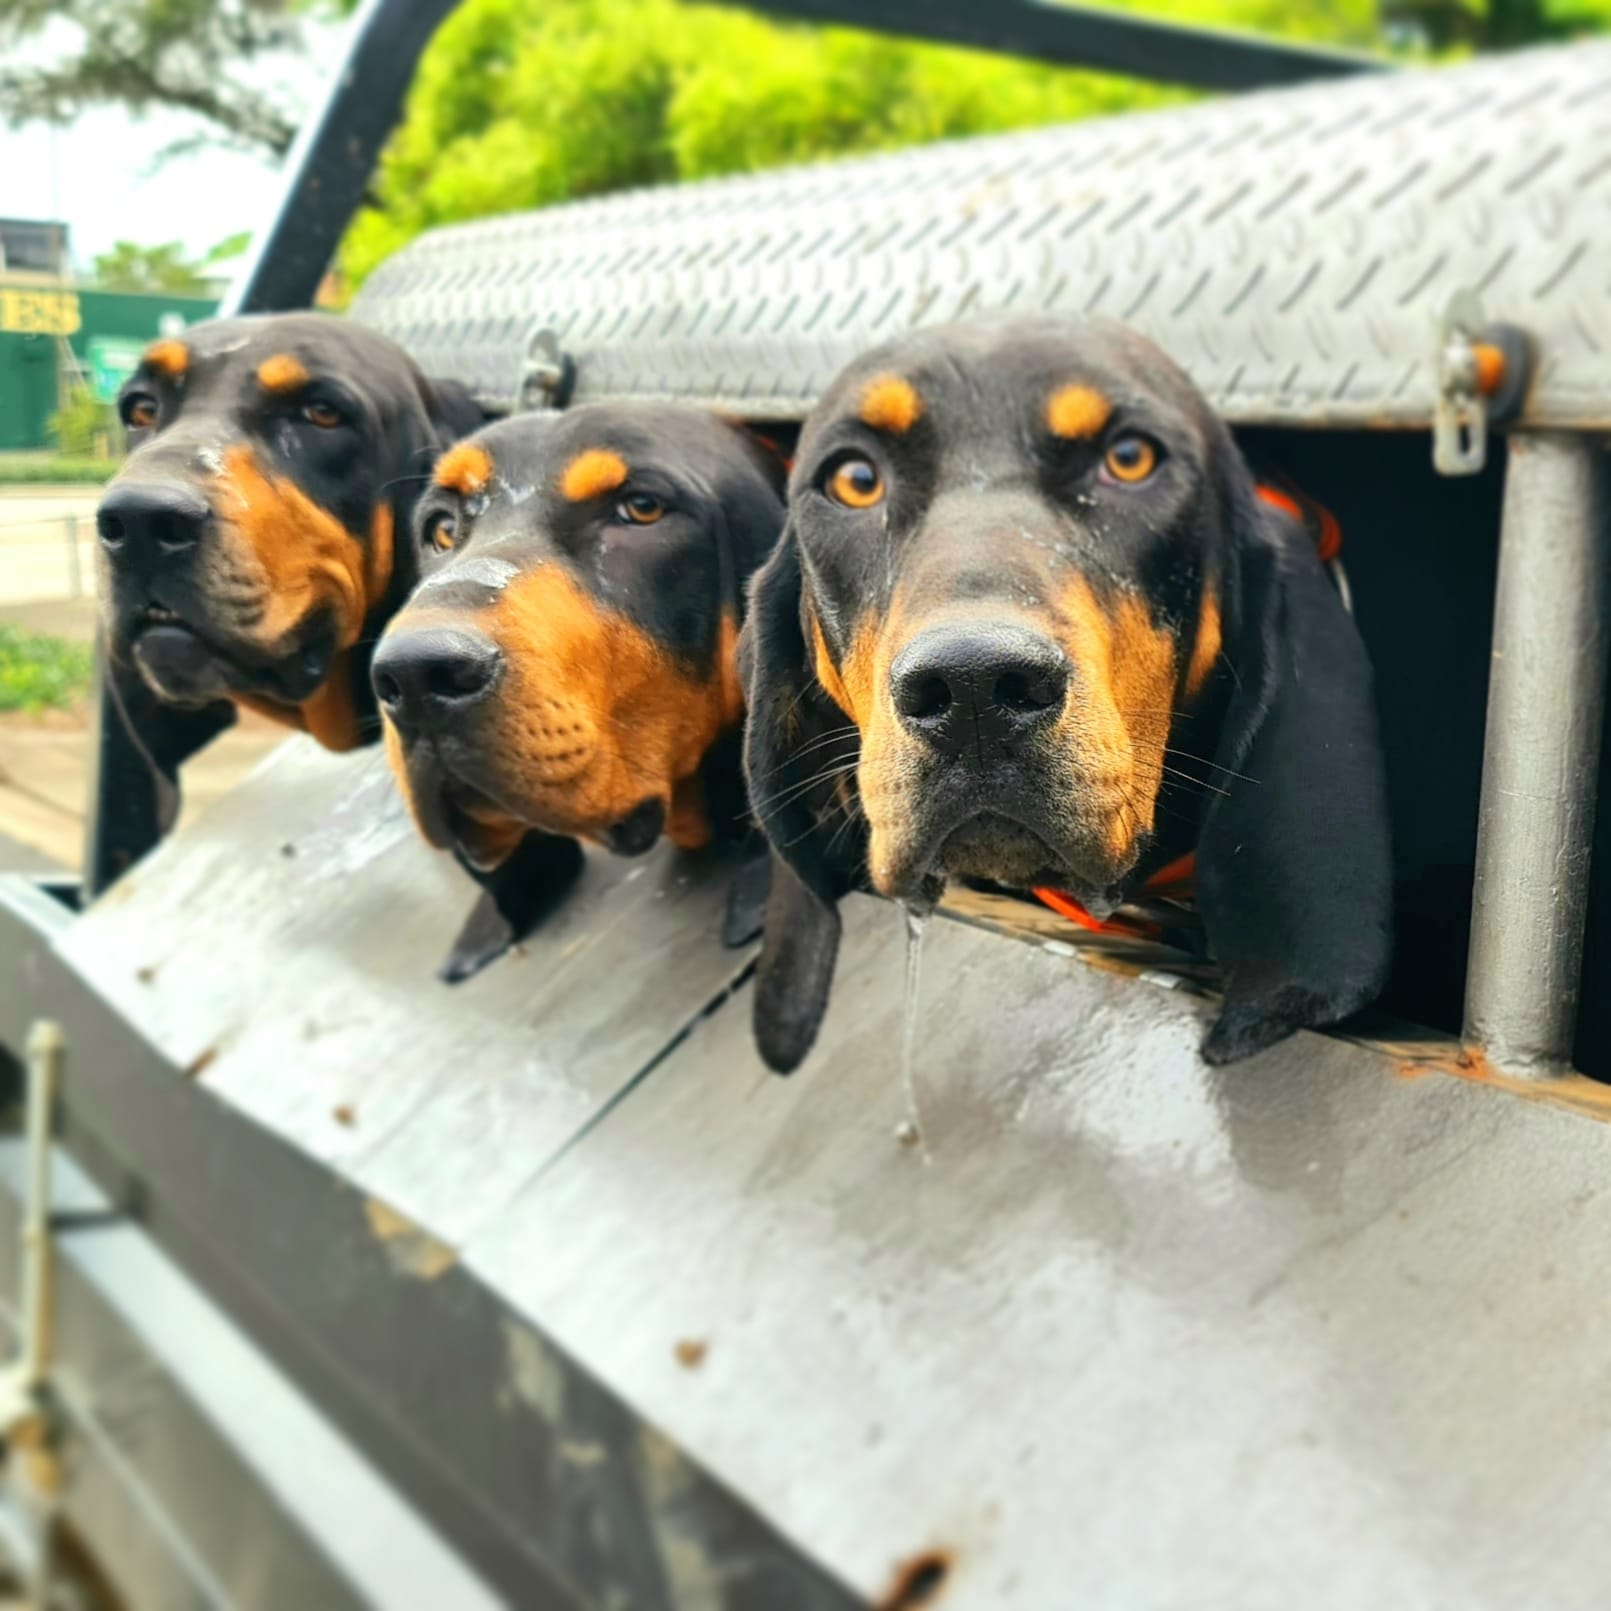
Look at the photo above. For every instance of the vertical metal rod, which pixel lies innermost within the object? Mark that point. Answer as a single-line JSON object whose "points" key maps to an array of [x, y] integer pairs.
{"points": [[75, 580], [328, 170], [45, 1049], [1546, 705]]}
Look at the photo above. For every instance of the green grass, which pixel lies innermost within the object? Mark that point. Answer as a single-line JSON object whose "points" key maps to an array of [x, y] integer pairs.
{"points": [[39, 673], [45, 469]]}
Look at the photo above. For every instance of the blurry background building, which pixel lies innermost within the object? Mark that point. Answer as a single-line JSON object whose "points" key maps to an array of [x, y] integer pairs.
{"points": [[58, 339]]}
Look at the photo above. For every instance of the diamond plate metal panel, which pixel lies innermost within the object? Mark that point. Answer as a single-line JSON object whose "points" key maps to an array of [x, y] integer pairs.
{"points": [[1294, 250]]}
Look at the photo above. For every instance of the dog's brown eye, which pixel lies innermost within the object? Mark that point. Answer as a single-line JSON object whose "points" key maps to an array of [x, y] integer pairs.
{"points": [[322, 415], [139, 411], [442, 531], [1131, 459], [640, 509], [856, 484]]}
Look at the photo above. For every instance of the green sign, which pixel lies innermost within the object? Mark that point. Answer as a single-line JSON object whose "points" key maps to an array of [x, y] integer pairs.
{"points": [[112, 359]]}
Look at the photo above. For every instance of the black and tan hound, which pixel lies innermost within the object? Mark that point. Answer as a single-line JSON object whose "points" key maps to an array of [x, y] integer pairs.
{"points": [[567, 669], [1030, 624], [259, 535]]}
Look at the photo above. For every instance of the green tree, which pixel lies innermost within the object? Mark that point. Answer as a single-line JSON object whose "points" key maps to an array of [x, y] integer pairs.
{"points": [[129, 267], [1494, 24], [84, 426], [230, 246], [202, 56]]}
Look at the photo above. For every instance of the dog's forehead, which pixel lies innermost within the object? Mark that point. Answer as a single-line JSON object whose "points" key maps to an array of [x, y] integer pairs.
{"points": [[979, 378], [279, 352], [589, 451]]}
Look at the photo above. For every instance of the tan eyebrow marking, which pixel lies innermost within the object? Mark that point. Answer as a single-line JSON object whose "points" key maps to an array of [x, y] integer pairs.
{"points": [[465, 469], [592, 473], [890, 404], [169, 357], [1077, 411], [281, 373]]}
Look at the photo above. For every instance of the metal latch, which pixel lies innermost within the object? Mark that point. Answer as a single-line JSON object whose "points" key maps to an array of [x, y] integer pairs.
{"points": [[550, 373], [1483, 371]]}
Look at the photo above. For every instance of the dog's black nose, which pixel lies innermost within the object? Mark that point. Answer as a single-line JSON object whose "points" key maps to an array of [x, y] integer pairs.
{"points": [[427, 678], [986, 688], [150, 521]]}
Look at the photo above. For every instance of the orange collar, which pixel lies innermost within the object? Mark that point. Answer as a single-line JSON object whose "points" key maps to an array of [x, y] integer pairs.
{"points": [[1316, 519], [1175, 879]]}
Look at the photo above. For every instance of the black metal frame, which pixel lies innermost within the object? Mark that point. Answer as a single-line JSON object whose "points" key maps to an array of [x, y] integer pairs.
{"points": [[1089, 36], [328, 170]]}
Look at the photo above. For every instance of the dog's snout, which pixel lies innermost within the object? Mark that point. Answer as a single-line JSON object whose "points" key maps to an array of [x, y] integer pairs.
{"points": [[987, 688], [150, 521], [426, 679]]}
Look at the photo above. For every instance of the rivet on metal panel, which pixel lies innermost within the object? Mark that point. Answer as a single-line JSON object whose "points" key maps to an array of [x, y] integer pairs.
{"points": [[918, 1582], [550, 374]]}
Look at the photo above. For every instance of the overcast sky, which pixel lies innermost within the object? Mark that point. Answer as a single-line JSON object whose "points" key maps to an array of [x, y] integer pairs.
{"points": [[97, 174]]}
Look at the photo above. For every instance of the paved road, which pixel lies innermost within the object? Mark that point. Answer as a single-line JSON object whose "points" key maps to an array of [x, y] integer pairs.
{"points": [[35, 559], [44, 762]]}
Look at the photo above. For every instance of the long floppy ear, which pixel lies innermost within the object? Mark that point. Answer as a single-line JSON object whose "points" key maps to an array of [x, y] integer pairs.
{"points": [[788, 745], [141, 744], [442, 413], [453, 410], [1294, 864], [515, 897]]}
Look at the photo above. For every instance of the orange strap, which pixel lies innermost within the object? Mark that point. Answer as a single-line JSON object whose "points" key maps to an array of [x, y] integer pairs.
{"points": [[1173, 879], [1176, 878], [1319, 521]]}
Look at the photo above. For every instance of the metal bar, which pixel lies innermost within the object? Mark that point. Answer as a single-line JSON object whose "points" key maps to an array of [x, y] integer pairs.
{"points": [[27, 1419], [45, 1049], [1546, 704], [327, 170], [1083, 36], [200, 1475]]}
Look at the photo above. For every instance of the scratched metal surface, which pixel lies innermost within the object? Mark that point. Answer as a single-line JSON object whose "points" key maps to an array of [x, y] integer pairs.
{"points": [[1142, 1333], [1294, 250], [284, 948]]}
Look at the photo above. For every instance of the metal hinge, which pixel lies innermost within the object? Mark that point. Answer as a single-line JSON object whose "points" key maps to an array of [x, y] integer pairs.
{"points": [[1483, 371], [549, 376]]}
